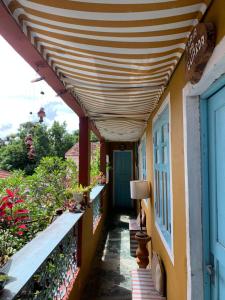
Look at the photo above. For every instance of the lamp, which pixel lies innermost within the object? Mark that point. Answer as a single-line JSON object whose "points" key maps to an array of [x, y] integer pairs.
{"points": [[139, 189]]}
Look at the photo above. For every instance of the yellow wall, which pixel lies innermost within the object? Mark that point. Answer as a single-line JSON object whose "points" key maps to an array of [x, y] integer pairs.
{"points": [[90, 241], [176, 274]]}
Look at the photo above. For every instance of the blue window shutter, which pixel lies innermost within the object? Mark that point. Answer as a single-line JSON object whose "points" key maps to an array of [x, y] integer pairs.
{"points": [[143, 155], [161, 156]]}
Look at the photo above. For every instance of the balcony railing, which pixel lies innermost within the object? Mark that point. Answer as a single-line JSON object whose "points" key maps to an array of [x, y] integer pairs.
{"points": [[47, 266], [96, 199]]}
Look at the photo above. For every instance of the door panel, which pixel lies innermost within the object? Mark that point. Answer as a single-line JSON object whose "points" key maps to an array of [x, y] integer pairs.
{"points": [[216, 150], [122, 177]]}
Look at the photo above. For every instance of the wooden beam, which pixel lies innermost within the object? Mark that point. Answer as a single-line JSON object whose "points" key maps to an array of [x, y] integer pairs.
{"points": [[95, 130], [84, 152], [103, 156]]}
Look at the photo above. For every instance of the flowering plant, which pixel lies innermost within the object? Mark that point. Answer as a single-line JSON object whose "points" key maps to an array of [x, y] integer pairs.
{"points": [[13, 215], [100, 178]]}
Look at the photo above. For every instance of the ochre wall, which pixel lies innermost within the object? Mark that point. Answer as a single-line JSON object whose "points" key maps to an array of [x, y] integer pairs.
{"points": [[177, 273], [90, 242]]}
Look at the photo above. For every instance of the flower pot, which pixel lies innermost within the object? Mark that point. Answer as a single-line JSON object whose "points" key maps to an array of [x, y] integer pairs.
{"points": [[78, 197]]}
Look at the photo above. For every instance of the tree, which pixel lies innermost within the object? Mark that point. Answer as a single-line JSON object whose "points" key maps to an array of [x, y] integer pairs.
{"points": [[54, 141], [60, 139], [13, 156]]}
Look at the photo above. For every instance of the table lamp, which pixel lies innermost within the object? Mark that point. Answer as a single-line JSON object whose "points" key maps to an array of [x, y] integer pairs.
{"points": [[139, 189]]}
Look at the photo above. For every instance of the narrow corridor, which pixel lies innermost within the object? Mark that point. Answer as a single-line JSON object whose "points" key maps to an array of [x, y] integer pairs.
{"points": [[111, 278]]}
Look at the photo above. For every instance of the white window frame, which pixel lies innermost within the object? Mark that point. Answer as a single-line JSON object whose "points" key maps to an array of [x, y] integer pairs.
{"points": [[140, 166], [170, 250]]}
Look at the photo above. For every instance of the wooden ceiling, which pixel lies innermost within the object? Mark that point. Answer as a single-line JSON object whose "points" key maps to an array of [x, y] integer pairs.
{"points": [[114, 56]]}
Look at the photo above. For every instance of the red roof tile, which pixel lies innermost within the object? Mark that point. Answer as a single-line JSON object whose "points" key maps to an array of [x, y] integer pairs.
{"points": [[4, 174], [74, 151]]}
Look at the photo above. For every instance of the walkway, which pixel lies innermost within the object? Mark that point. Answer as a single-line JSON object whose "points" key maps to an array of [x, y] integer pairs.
{"points": [[110, 278]]}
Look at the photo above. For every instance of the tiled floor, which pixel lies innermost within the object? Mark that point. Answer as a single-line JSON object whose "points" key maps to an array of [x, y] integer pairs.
{"points": [[111, 278]]}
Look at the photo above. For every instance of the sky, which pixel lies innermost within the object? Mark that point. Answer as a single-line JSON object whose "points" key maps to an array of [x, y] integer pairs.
{"points": [[19, 97]]}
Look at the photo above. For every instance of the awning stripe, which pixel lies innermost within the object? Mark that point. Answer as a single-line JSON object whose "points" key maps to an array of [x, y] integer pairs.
{"points": [[115, 56]]}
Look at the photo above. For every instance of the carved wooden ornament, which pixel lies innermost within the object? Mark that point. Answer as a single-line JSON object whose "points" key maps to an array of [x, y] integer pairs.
{"points": [[199, 48]]}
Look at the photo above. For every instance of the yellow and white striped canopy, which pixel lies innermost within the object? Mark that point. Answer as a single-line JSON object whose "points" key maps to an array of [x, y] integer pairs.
{"points": [[115, 56]]}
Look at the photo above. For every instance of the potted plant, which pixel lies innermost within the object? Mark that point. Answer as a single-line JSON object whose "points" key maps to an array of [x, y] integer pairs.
{"points": [[101, 179], [80, 197]]}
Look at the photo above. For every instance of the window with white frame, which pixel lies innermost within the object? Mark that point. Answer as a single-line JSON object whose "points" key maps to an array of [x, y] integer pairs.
{"points": [[142, 158], [162, 196], [142, 161]]}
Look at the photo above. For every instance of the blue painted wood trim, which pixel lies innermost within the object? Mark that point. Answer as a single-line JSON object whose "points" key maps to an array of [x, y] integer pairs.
{"points": [[205, 195], [26, 262], [215, 87], [96, 191]]}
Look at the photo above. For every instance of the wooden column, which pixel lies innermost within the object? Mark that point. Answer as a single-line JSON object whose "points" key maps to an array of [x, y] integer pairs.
{"points": [[84, 152], [103, 156]]}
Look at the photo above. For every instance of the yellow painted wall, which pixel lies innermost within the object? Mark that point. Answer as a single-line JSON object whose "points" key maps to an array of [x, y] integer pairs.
{"points": [[90, 242], [176, 274]]}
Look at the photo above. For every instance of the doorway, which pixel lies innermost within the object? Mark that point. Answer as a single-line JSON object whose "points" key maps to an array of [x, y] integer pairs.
{"points": [[122, 175], [213, 193]]}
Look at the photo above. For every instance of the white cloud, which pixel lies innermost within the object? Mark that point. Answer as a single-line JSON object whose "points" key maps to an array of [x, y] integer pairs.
{"points": [[19, 97]]}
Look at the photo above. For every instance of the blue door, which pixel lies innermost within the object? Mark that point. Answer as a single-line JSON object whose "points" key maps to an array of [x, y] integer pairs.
{"points": [[215, 258], [122, 176]]}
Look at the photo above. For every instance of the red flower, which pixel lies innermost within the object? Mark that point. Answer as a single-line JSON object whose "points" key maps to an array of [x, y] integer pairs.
{"points": [[6, 198], [23, 226], [19, 201], [20, 232], [10, 193], [3, 206], [21, 211], [2, 213], [9, 204], [19, 219]]}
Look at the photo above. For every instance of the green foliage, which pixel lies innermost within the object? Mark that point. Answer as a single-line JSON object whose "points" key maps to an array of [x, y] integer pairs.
{"points": [[15, 181], [13, 155], [54, 141], [48, 183], [60, 139], [93, 137], [43, 192], [95, 164]]}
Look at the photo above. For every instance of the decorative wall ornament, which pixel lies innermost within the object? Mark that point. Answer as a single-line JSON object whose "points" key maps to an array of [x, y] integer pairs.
{"points": [[41, 114], [199, 48]]}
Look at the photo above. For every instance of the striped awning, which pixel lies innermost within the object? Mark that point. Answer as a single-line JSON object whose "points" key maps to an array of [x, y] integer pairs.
{"points": [[115, 56]]}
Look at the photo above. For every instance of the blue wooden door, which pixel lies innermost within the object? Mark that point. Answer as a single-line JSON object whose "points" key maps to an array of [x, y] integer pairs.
{"points": [[122, 176], [215, 267]]}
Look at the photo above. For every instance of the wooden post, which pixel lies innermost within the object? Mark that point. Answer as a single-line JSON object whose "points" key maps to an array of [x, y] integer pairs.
{"points": [[84, 152], [103, 157]]}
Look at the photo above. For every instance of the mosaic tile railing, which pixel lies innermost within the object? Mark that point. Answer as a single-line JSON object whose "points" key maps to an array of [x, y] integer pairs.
{"points": [[47, 266], [96, 199], [97, 210]]}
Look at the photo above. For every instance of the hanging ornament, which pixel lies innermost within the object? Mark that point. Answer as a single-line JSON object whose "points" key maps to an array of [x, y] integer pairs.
{"points": [[41, 114], [30, 147]]}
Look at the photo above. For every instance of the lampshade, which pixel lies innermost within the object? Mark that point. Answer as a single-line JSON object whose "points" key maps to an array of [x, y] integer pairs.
{"points": [[139, 189]]}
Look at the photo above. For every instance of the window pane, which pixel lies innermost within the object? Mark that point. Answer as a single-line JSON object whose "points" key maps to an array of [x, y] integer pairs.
{"points": [[161, 174]]}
